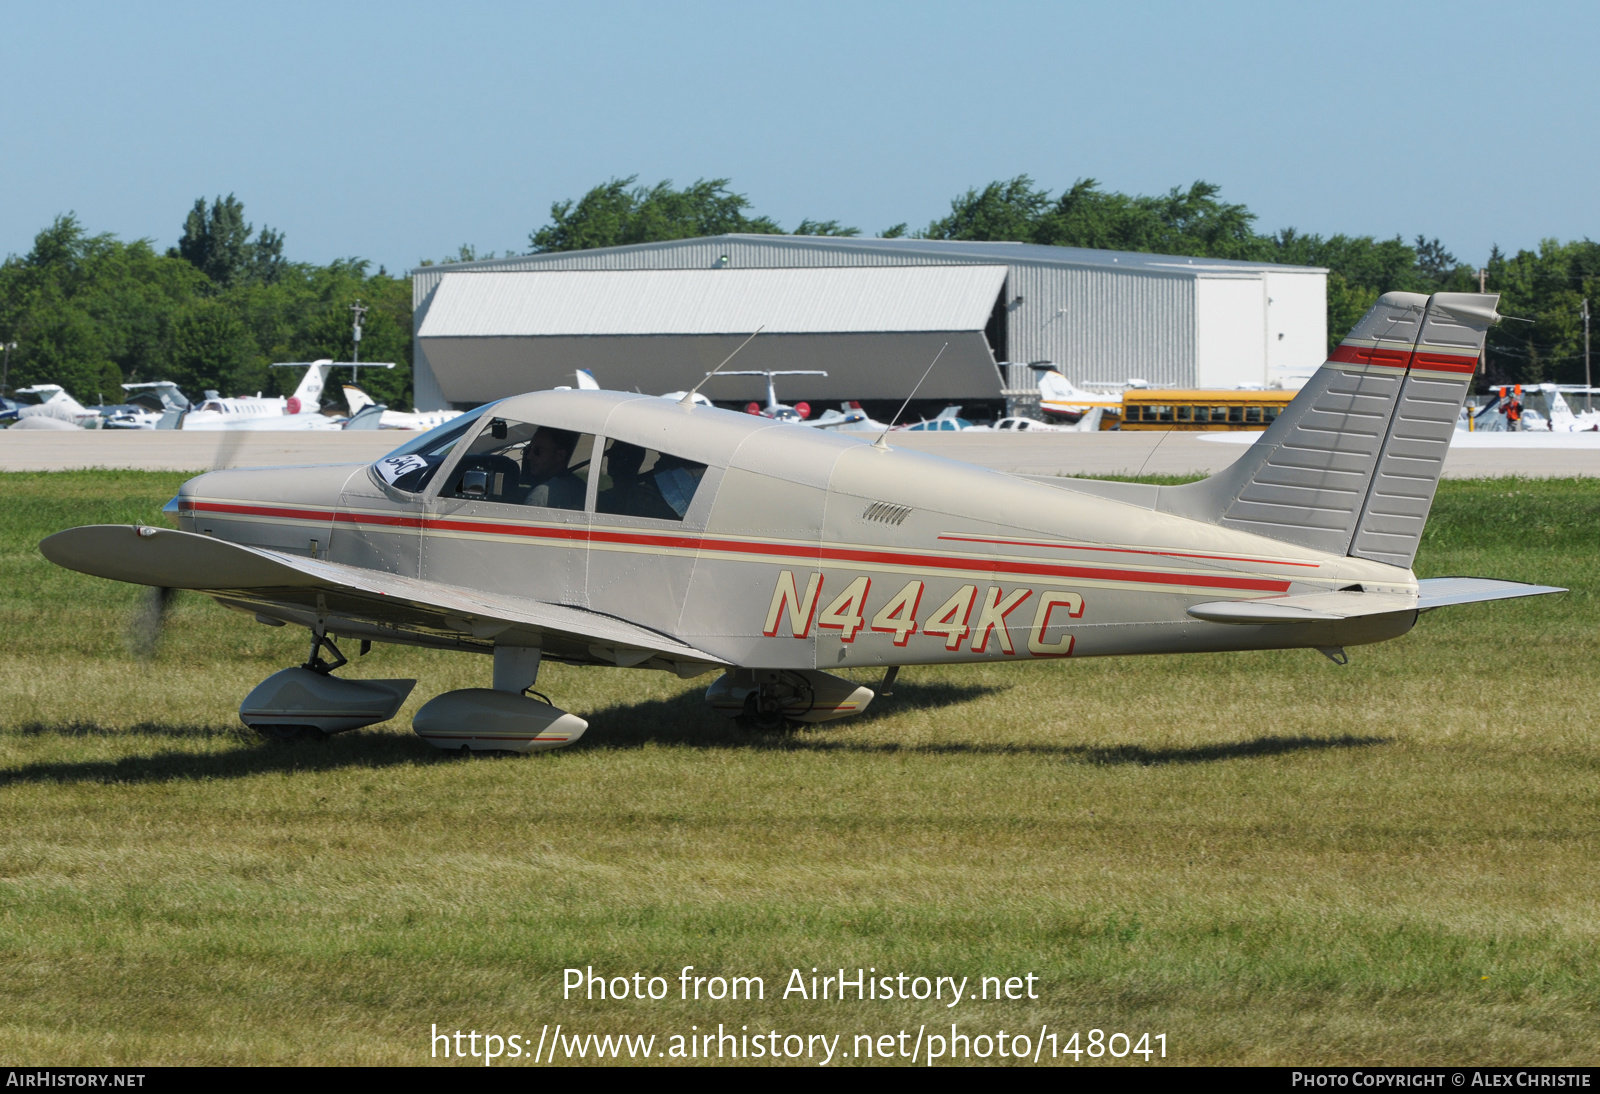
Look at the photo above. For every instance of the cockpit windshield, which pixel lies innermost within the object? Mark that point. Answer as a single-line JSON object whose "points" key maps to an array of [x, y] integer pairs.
{"points": [[410, 466]]}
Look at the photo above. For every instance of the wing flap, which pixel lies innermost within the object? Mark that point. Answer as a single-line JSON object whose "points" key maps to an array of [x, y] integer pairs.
{"points": [[184, 560]]}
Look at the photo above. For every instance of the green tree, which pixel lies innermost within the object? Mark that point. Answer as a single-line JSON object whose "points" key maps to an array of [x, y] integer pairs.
{"points": [[217, 242], [616, 213], [1009, 210], [809, 227], [1544, 289], [1185, 222], [211, 348], [90, 311]]}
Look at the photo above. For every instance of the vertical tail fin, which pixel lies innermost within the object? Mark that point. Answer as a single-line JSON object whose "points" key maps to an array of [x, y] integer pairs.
{"points": [[356, 399], [311, 384], [1351, 465]]}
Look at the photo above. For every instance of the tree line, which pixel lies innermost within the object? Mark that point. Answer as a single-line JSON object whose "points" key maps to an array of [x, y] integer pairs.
{"points": [[212, 312], [90, 312]]}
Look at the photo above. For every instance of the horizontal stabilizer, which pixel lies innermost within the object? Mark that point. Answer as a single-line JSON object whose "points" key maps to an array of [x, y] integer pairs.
{"points": [[1433, 592], [1439, 592], [1311, 608]]}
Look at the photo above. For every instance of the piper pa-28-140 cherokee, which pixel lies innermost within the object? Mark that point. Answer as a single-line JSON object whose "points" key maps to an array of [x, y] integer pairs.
{"points": [[609, 528]]}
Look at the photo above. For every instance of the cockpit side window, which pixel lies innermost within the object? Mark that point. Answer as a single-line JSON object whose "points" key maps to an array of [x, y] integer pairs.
{"points": [[413, 464], [524, 463], [641, 482]]}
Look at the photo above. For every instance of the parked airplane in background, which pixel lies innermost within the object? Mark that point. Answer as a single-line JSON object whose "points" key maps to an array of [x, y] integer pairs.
{"points": [[608, 528], [1060, 398], [155, 405], [358, 400], [1024, 425], [948, 420], [302, 410], [54, 410], [778, 412], [849, 418], [1560, 417]]}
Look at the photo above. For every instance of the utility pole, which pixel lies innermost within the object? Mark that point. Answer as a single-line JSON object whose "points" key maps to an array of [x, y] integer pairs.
{"points": [[355, 353], [5, 369], [1483, 279], [1588, 380]]}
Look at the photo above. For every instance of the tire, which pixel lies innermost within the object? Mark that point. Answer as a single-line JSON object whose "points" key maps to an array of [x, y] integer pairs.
{"points": [[755, 720]]}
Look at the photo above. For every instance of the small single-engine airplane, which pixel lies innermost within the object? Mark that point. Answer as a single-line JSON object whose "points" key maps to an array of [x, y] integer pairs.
{"points": [[609, 528]]}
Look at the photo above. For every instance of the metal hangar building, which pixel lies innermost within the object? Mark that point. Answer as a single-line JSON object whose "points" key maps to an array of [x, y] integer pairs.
{"points": [[871, 312]]}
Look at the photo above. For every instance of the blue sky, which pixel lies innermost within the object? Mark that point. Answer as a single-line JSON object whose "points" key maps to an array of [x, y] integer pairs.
{"points": [[399, 131]]}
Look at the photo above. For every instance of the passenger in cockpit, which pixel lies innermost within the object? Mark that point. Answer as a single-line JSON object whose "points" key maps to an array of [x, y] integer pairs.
{"points": [[631, 493], [546, 473]]}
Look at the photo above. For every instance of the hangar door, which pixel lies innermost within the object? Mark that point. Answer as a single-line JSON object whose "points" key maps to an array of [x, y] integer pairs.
{"points": [[872, 329]]}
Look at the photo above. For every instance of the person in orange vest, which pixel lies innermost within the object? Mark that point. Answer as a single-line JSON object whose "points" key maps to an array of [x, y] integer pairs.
{"points": [[1514, 411]]}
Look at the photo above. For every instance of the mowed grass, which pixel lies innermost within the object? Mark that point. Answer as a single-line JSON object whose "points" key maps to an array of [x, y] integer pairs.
{"points": [[1267, 857]]}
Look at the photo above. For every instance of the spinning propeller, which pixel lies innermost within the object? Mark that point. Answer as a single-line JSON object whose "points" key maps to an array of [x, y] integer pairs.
{"points": [[150, 619]]}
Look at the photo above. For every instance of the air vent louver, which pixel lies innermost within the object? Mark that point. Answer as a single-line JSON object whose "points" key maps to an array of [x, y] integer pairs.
{"points": [[880, 512]]}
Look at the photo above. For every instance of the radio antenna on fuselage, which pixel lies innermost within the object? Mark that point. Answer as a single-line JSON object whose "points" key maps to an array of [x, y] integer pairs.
{"points": [[688, 396], [879, 442]]}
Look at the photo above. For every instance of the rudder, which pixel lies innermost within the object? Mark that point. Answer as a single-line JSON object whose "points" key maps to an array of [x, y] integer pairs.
{"points": [[1351, 465]]}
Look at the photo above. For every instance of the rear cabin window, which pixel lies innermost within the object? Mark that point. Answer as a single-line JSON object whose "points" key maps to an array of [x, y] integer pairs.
{"points": [[642, 482], [524, 463]]}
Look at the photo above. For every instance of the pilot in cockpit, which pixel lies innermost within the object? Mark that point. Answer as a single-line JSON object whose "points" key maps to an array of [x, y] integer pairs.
{"points": [[546, 474]]}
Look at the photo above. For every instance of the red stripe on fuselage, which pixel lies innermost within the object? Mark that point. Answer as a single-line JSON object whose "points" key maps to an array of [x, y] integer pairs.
{"points": [[821, 554]]}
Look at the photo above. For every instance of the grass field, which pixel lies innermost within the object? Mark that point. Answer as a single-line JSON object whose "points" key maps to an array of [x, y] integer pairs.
{"points": [[1266, 857]]}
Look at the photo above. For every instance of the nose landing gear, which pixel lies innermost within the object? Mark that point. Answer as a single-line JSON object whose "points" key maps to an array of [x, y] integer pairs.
{"points": [[772, 700]]}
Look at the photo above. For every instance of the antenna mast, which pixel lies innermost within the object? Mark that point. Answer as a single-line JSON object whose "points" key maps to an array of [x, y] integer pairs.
{"points": [[879, 443], [688, 396]]}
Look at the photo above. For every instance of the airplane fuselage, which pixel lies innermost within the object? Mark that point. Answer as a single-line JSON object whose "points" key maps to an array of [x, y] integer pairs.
{"points": [[806, 549]]}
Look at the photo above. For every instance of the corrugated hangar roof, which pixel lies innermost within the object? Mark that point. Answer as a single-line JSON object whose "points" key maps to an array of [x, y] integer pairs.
{"points": [[867, 299], [808, 250]]}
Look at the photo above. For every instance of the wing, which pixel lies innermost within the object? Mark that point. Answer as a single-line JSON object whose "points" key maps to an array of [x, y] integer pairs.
{"points": [[361, 603]]}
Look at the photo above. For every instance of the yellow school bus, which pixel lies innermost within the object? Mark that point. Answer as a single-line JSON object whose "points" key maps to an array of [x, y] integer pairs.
{"points": [[1146, 408]]}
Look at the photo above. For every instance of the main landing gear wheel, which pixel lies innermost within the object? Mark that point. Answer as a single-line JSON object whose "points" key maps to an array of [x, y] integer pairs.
{"points": [[764, 717]]}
